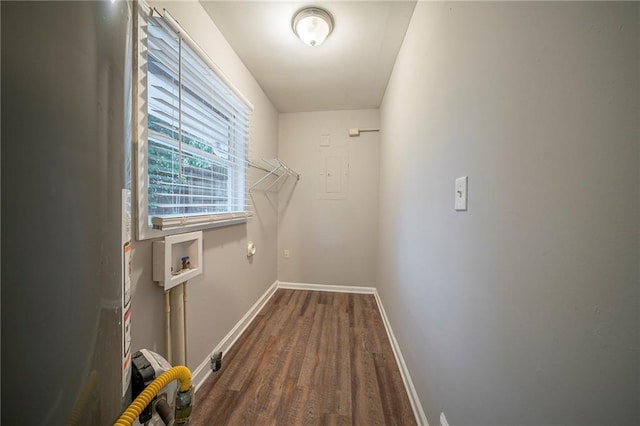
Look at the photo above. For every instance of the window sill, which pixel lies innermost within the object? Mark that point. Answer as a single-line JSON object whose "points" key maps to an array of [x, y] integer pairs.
{"points": [[147, 232]]}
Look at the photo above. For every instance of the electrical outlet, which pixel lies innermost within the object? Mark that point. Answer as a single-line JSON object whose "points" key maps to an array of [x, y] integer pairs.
{"points": [[286, 253]]}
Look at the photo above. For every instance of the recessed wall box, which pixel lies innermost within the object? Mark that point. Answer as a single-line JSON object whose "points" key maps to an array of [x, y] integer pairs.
{"points": [[168, 257]]}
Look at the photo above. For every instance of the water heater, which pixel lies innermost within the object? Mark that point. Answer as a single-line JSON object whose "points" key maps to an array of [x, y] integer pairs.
{"points": [[66, 120]]}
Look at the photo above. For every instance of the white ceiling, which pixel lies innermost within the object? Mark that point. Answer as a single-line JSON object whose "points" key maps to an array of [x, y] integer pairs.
{"points": [[349, 71]]}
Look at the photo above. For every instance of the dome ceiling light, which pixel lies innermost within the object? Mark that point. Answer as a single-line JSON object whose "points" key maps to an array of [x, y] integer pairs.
{"points": [[313, 25]]}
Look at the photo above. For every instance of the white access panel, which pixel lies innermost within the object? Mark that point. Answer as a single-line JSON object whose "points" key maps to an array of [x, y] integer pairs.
{"points": [[334, 174], [167, 259], [333, 177]]}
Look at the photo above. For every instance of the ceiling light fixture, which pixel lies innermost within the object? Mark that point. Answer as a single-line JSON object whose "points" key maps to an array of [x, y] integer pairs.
{"points": [[312, 25]]}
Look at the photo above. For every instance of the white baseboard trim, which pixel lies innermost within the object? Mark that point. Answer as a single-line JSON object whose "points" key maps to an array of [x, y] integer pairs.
{"points": [[418, 411], [202, 372], [324, 287]]}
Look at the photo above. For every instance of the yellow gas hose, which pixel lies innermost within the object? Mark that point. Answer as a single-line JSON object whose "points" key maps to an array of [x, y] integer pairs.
{"points": [[179, 372], [81, 403]]}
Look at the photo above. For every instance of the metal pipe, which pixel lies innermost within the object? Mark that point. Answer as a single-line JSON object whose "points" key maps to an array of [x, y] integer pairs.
{"points": [[162, 407]]}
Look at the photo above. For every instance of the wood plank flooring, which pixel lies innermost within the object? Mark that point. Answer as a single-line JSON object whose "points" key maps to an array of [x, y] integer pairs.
{"points": [[308, 358]]}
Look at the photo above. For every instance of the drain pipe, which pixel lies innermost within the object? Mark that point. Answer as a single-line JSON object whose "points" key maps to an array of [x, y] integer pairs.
{"points": [[178, 334], [184, 319], [83, 399], [167, 317]]}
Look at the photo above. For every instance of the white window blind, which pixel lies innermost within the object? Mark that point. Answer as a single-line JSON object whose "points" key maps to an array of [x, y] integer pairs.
{"points": [[197, 135]]}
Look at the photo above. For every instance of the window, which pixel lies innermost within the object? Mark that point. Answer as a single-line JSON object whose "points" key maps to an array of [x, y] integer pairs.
{"points": [[193, 142]]}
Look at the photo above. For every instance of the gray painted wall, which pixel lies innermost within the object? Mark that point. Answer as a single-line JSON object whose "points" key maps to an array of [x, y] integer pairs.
{"points": [[524, 309], [331, 241], [231, 283]]}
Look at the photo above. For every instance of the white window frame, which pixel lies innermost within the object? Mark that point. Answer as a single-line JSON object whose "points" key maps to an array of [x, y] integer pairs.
{"points": [[186, 223]]}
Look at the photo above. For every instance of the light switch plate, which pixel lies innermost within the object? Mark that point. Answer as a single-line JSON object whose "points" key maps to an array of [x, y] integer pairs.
{"points": [[461, 193]]}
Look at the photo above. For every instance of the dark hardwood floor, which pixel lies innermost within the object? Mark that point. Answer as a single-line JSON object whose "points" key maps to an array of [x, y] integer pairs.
{"points": [[308, 358]]}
